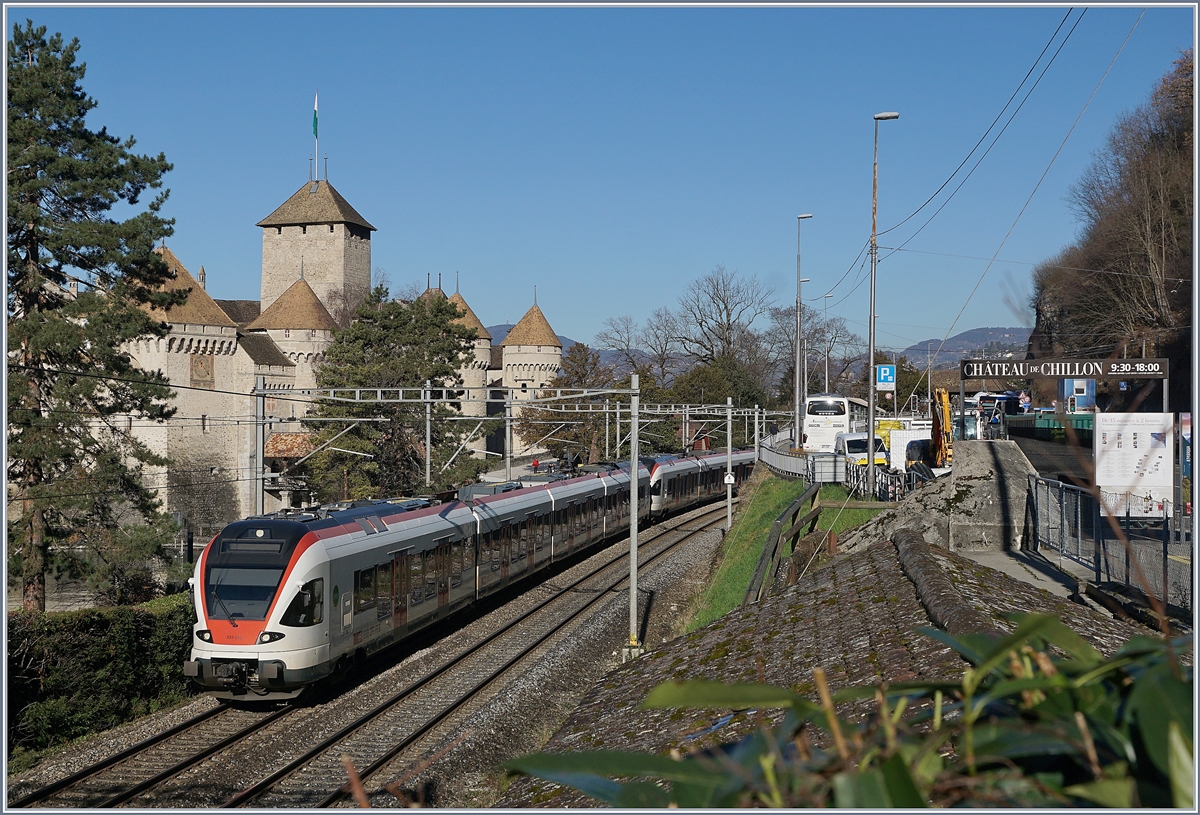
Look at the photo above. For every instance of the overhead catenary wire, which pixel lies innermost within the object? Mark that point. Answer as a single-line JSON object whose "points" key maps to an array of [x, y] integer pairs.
{"points": [[1042, 178]]}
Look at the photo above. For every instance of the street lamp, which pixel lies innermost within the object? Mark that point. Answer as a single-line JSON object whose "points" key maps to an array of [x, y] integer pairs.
{"points": [[798, 402], [871, 324], [827, 342]]}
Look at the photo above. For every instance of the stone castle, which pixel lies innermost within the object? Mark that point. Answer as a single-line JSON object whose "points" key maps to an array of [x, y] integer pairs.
{"points": [[316, 269]]}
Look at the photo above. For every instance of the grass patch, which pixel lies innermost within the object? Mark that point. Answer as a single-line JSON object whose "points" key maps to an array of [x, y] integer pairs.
{"points": [[763, 500], [834, 517]]}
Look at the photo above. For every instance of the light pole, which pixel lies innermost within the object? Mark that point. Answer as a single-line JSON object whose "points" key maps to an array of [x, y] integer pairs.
{"points": [[798, 403], [827, 342], [871, 324]]}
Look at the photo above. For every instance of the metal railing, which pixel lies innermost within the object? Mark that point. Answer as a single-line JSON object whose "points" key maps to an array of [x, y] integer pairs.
{"points": [[1067, 520], [830, 468]]}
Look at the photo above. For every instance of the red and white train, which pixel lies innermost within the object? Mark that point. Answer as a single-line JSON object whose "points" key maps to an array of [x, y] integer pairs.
{"points": [[283, 601]]}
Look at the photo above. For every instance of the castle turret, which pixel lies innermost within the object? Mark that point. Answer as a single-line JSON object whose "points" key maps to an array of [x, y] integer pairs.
{"points": [[531, 353], [316, 235]]}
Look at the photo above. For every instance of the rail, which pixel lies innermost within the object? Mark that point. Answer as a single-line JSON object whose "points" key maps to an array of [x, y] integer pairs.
{"points": [[1066, 520], [768, 561]]}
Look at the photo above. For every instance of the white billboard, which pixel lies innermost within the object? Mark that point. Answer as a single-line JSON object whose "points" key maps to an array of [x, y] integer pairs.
{"points": [[1134, 462]]}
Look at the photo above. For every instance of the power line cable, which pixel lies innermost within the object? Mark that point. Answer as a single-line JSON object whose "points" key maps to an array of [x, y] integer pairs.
{"points": [[967, 158]]}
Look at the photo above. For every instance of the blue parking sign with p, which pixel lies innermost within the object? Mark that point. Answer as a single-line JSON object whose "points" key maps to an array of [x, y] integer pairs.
{"points": [[885, 377]]}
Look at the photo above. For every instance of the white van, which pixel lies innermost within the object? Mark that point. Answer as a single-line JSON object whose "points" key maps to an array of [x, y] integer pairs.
{"points": [[854, 447]]}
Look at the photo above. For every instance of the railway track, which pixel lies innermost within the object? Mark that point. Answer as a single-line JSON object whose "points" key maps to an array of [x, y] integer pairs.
{"points": [[142, 766], [373, 740], [317, 777]]}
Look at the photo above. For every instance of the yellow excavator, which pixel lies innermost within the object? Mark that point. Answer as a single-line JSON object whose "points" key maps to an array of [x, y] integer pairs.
{"points": [[942, 447]]}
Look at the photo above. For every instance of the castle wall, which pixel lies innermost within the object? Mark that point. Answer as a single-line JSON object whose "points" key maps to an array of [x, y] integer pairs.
{"points": [[337, 263]]}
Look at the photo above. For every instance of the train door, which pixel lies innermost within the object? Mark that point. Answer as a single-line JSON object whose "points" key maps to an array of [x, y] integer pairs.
{"points": [[505, 542], [527, 544], [572, 515], [441, 560], [400, 590]]}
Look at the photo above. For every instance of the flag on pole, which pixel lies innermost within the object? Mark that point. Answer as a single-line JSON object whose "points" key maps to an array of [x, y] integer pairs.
{"points": [[314, 114]]}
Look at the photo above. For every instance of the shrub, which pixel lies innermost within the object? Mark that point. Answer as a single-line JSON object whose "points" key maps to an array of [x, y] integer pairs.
{"points": [[1040, 719], [78, 672]]}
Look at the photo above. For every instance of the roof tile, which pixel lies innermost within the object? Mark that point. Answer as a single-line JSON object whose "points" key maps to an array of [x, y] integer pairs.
{"points": [[317, 202], [298, 307]]}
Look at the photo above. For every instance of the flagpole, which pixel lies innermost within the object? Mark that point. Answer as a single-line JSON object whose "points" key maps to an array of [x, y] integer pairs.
{"points": [[316, 140]]}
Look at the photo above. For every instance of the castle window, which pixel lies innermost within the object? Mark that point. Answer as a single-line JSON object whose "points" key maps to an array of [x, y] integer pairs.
{"points": [[287, 333], [312, 333], [304, 230], [279, 230], [203, 422], [128, 424], [331, 227]]}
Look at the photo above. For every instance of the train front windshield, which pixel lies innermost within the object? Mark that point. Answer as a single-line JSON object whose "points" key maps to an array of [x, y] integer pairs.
{"points": [[244, 567]]}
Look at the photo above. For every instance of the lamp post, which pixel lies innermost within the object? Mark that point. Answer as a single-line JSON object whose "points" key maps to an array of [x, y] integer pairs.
{"points": [[871, 324], [798, 402], [827, 342]]}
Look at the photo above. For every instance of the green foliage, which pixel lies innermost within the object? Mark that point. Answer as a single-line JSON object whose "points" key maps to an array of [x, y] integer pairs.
{"points": [[560, 432], [1039, 719], [713, 382], [392, 345], [74, 673], [70, 381]]}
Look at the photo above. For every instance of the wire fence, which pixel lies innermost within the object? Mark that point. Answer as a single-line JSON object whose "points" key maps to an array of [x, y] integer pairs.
{"points": [[1157, 560]]}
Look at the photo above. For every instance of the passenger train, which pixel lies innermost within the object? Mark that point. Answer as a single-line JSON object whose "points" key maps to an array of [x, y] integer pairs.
{"points": [[283, 601]]}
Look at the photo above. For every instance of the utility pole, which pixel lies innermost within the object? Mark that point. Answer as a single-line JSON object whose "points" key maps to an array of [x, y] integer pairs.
{"points": [[260, 427], [634, 649]]}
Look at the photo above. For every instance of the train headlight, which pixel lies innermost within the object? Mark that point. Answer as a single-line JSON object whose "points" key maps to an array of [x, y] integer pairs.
{"points": [[269, 636], [205, 635]]}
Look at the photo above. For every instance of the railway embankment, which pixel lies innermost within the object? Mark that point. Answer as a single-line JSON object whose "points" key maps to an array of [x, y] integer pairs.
{"points": [[857, 617]]}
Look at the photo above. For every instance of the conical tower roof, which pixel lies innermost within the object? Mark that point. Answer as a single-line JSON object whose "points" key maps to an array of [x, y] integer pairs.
{"points": [[299, 308], [532, 329], [199, 309], [317, 202], [432, 293], [468, 318]]}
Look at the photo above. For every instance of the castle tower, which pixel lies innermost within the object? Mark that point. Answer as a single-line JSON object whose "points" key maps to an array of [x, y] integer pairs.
{"points": [[474, 373], [301, 327], [531, 354], [317, 236]]}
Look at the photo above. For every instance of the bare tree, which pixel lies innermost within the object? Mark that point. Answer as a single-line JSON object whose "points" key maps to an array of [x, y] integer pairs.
{"points": [[664, 351], [621, 334], [717, 311]]}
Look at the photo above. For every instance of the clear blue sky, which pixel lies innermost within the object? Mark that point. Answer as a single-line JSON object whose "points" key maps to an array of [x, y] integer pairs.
{"points": [[609, 156]]}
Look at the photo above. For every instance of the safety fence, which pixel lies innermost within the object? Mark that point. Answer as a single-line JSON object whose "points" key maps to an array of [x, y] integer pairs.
{"points": [[830, 468], [1155, 556]]}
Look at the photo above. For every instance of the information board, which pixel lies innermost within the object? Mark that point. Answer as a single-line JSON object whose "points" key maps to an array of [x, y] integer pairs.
{"points": [[1134, 462], [1064, 369]]}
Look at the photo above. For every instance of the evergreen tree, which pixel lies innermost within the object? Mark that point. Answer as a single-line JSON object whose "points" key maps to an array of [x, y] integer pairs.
{"points": [[392, 345], [72, 469]]}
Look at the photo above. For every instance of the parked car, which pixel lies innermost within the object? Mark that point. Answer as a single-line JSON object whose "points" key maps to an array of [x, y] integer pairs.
{"points": [[854, 447]]}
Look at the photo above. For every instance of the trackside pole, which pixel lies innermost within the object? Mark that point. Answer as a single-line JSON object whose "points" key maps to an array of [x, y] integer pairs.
{"points": [[728, 463], [634, 649], [260, 421]]}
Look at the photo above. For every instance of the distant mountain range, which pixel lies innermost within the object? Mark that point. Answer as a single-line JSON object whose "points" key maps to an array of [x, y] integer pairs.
{"points": [[977, 343], [499, 332]]}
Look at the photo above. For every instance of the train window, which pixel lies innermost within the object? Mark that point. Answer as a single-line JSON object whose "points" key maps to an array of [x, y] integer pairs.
{"points": [[456, 563], [241, 593], [417, 579], [307, 607], [430, 575], [364, 589], [383, 584]]}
